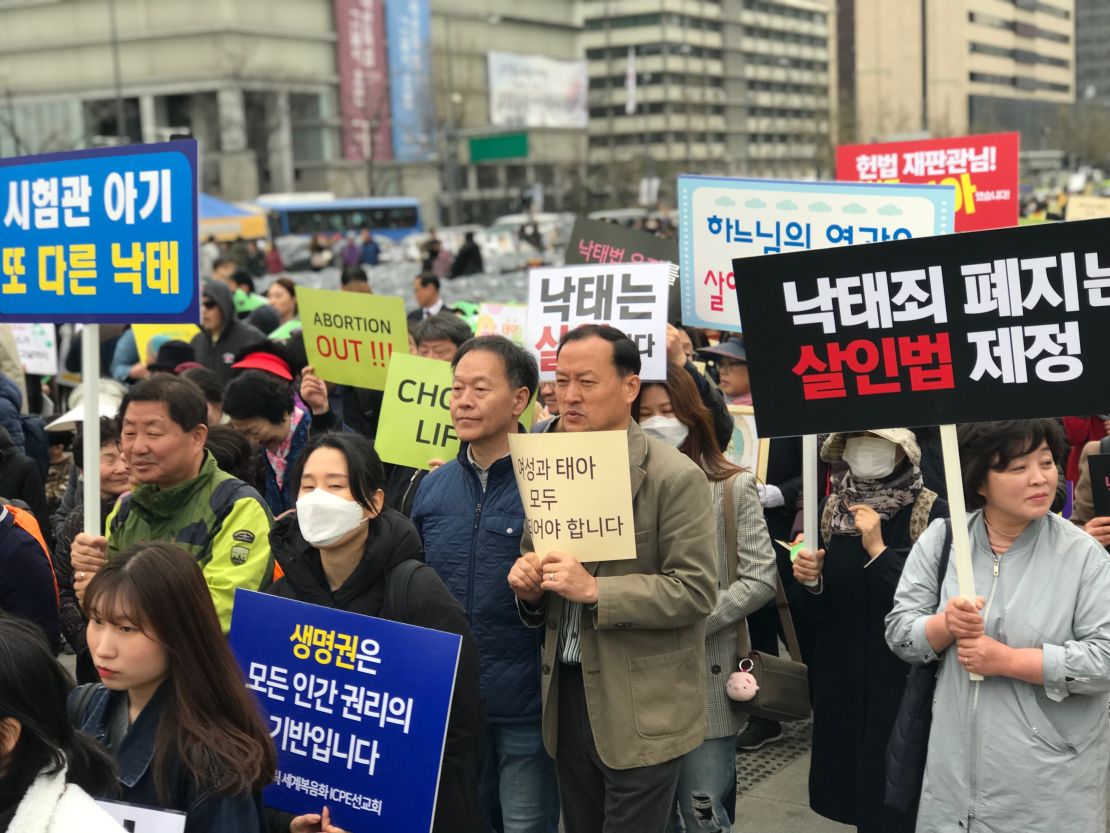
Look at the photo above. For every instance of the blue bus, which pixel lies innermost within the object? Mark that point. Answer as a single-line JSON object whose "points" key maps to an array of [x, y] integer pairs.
{"points": [[308, 214]]}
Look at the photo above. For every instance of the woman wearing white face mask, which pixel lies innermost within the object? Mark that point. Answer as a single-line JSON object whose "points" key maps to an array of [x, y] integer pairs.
{"points": [[673, 413], [875, 512], [343, 549]]}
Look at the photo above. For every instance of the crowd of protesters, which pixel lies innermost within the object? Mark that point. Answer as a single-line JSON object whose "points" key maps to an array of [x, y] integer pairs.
{"points": [[592, 696]]}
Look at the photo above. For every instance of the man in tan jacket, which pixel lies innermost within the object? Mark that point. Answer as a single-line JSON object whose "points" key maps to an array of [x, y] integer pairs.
{"points": [[623, 671]]}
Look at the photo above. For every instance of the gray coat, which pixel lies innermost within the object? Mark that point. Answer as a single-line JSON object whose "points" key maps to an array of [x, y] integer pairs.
{"points": [[753, 588], [1005, 755]]}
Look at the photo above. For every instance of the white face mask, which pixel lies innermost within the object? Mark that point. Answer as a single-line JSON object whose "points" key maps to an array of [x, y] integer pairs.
{"points": [[324, 518], [870, 458], [670, 430]]}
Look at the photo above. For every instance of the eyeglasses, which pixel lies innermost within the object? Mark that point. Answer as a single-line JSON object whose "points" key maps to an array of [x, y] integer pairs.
{"points": [[207, 304]]}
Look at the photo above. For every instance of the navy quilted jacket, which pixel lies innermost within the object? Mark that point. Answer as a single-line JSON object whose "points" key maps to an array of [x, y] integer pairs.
{"points": [[472, 541]]}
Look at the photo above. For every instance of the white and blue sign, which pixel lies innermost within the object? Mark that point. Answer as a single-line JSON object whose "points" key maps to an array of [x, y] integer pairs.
{"points": [[723, 219], [408, 25], [100, 236], [357, 708]]}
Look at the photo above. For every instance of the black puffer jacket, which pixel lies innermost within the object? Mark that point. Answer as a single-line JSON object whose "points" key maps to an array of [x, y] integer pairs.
{"points": [[429, 604]]}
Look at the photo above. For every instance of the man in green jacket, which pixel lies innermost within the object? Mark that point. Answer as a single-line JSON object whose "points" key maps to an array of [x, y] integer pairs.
{"points": [[623, 669], [181, 496]]}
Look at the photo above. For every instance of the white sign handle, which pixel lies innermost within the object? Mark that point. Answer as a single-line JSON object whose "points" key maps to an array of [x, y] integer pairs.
{"points": [[809, 495], [90, 426], [961, 545]]}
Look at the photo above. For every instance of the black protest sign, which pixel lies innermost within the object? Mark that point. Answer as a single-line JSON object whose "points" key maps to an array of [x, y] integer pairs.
{"points": [[1005, 324], [592, 241], [1099, 468]]}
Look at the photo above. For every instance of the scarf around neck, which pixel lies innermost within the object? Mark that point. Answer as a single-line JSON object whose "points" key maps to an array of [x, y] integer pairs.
{"points": [[887, 497]]}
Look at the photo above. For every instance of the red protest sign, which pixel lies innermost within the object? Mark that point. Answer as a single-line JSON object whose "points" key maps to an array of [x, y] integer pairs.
{"points": [[983, 169]]}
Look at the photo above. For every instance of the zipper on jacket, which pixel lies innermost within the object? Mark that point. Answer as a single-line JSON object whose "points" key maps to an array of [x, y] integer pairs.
{"points": [[473, 549], [973, 780]]}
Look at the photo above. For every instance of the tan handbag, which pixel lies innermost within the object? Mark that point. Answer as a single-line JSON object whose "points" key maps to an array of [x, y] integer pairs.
{"points": [[783, 693]]}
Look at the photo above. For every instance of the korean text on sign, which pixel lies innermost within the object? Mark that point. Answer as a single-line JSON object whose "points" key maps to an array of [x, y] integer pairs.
{"points": [[577, 493], [723, 219], [971, 327], [982, 169], [357, 708], [100, 235], [632, 298]]}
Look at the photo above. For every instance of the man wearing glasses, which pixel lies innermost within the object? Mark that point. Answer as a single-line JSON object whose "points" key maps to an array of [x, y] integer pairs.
{"points": [[222, 335]]}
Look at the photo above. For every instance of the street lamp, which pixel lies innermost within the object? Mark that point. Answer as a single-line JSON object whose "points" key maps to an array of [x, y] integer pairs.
{"points": [[454, 100]]}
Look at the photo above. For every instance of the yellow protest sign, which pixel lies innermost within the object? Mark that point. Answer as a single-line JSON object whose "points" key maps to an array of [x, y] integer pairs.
{"points": [[415, 425], [577, 493], [1088, 207], [351, 337], [145, 332]]}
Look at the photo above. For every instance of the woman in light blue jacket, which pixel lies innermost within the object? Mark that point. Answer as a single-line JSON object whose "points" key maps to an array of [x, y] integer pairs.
{"points": [[1028, 747]]}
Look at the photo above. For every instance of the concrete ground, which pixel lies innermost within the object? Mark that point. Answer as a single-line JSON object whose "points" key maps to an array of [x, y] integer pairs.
{"points": [[780, 804]]}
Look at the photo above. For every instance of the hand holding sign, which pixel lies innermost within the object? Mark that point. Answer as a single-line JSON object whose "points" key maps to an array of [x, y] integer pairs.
{"points": [[808, 566], [1099, 529], [565, 575], [314, 823], [526, 578], [985, 656], [87, 555], [961, 618], [314, 393]]}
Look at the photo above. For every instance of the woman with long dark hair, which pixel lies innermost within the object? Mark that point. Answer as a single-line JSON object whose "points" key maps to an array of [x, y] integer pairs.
{"points": [[47, 768], [674, 413], [172, 707], [341, 549]]}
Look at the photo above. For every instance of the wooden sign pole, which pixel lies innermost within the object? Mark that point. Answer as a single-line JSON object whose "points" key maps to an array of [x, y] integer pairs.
{"points": [[961, 545]]}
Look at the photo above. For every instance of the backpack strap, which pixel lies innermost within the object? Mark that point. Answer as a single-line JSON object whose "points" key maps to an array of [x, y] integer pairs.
{"points": [[919, 516], [942, 565], [397, 581]]}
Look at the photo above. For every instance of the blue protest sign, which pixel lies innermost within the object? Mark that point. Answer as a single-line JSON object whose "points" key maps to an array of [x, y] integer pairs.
{"points": [[723, 219], [100, 236], [357, 708]]}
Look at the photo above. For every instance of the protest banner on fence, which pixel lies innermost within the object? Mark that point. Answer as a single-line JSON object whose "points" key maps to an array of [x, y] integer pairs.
{"points": [[103, 235], [136, 818], [577, 493], [1005, 324], [350, 337], [630, 297], [594, 241], [508, 320], [415, 426], [357, 708], [723, 219], [38, 348], [983, 169], [145, 332]]}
